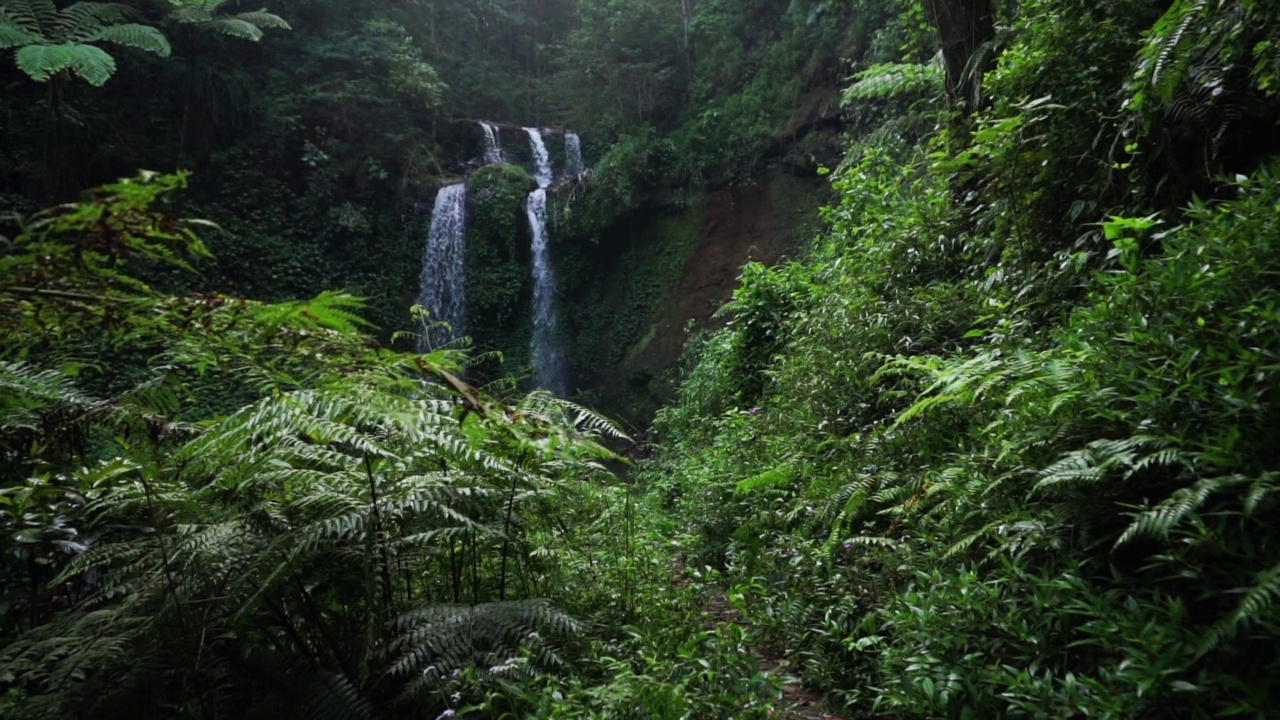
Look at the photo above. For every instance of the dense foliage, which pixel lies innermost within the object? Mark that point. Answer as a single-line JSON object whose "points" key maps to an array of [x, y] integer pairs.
{"points": [[999, 446]]}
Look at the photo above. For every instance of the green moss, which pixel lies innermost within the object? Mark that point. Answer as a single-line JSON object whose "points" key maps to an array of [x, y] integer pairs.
{"points": [[614, 285], [642, 344], [498, 264]]}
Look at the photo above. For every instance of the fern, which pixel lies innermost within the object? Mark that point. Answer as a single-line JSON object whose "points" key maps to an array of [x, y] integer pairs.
{"points": [[37, 17], [12, 36], [1101, 459], [81, 19], [51, 43], [1256, 606], [264, 20], [1165, 517], [1186, 69], [432, 642], [897, 79], [142, 37], [246, 25], [781, 476], [339, 489]]}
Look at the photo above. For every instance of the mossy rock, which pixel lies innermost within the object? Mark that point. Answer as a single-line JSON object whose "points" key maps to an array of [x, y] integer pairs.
{"points": [[498, 258]]}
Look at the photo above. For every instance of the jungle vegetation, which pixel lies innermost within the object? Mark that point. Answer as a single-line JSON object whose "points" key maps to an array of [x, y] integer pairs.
{"points": [[994, 443]]}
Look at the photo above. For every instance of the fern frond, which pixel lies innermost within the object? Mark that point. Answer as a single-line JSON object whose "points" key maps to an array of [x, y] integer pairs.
{"points": [[235, 27], [1162, 519], [205, 6], [12, 36], [334, 697], [896, 79], [93, 65], [38, 17], [264, 20], [1166, 64], [190, 14], [42, 62], [80, 20], [869, 541], [550, 408], [1103, 458], [432, 641], [1257, 603], [776, 477], [142, 37]]}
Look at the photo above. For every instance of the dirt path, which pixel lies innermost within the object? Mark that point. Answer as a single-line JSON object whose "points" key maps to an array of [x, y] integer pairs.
{"points": [[798, 703]]}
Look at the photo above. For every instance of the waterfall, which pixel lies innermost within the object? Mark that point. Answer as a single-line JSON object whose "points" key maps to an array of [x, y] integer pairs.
{"points": [[443, 291], [541, 158], [549, 367], [573, 166], [548, 359], [492, 144]]}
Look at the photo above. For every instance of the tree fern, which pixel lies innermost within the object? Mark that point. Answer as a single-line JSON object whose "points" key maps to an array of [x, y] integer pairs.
{"points": [[141, 37], [12, 36], [52, 43], [34, 16], [205, 14]]}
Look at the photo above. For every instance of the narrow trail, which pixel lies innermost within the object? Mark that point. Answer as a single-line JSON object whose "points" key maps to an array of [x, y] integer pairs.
{"points": [[798, 702]]}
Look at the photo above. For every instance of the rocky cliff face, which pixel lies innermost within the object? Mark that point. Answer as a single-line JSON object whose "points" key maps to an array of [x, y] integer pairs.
{"points": [[659, 276]]}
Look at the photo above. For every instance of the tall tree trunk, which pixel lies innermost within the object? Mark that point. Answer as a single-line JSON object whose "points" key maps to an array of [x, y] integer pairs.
{"points": [[963, 27]]}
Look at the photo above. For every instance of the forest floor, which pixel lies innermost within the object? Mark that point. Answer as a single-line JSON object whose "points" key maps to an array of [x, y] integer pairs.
{"points": [[798, 702]]}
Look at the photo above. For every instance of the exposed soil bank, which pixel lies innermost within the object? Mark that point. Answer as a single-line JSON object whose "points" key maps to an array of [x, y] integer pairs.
{"points": [[662, 274]]}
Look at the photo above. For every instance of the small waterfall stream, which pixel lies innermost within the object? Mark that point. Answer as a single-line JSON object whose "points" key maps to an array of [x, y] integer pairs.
{"points": [[443, 279], [541, 158], [548, 359], [550, 371], [492, 144], [573, 166]]}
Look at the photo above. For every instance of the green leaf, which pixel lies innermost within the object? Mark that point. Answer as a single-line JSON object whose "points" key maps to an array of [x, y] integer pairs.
{"points": [[776, 477], [12, 36], [41, 62], [142, 37], [92, 64], [236, 28], [190, 15], [264, 20], [79, 21], [38, 17]]}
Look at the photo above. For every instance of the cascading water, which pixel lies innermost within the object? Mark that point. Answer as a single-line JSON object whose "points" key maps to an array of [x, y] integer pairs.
{"points": [[573, 166], [492, 144], [548, 359], [443, 291], [541, 158]]}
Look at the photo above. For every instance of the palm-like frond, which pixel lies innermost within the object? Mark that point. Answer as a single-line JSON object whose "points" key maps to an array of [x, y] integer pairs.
{"points": [[52, 42], [235, 27], [141, 37], [83, 18], [42, 62], [12, 36], [263, 19], [245, 25], [38, 17]]}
